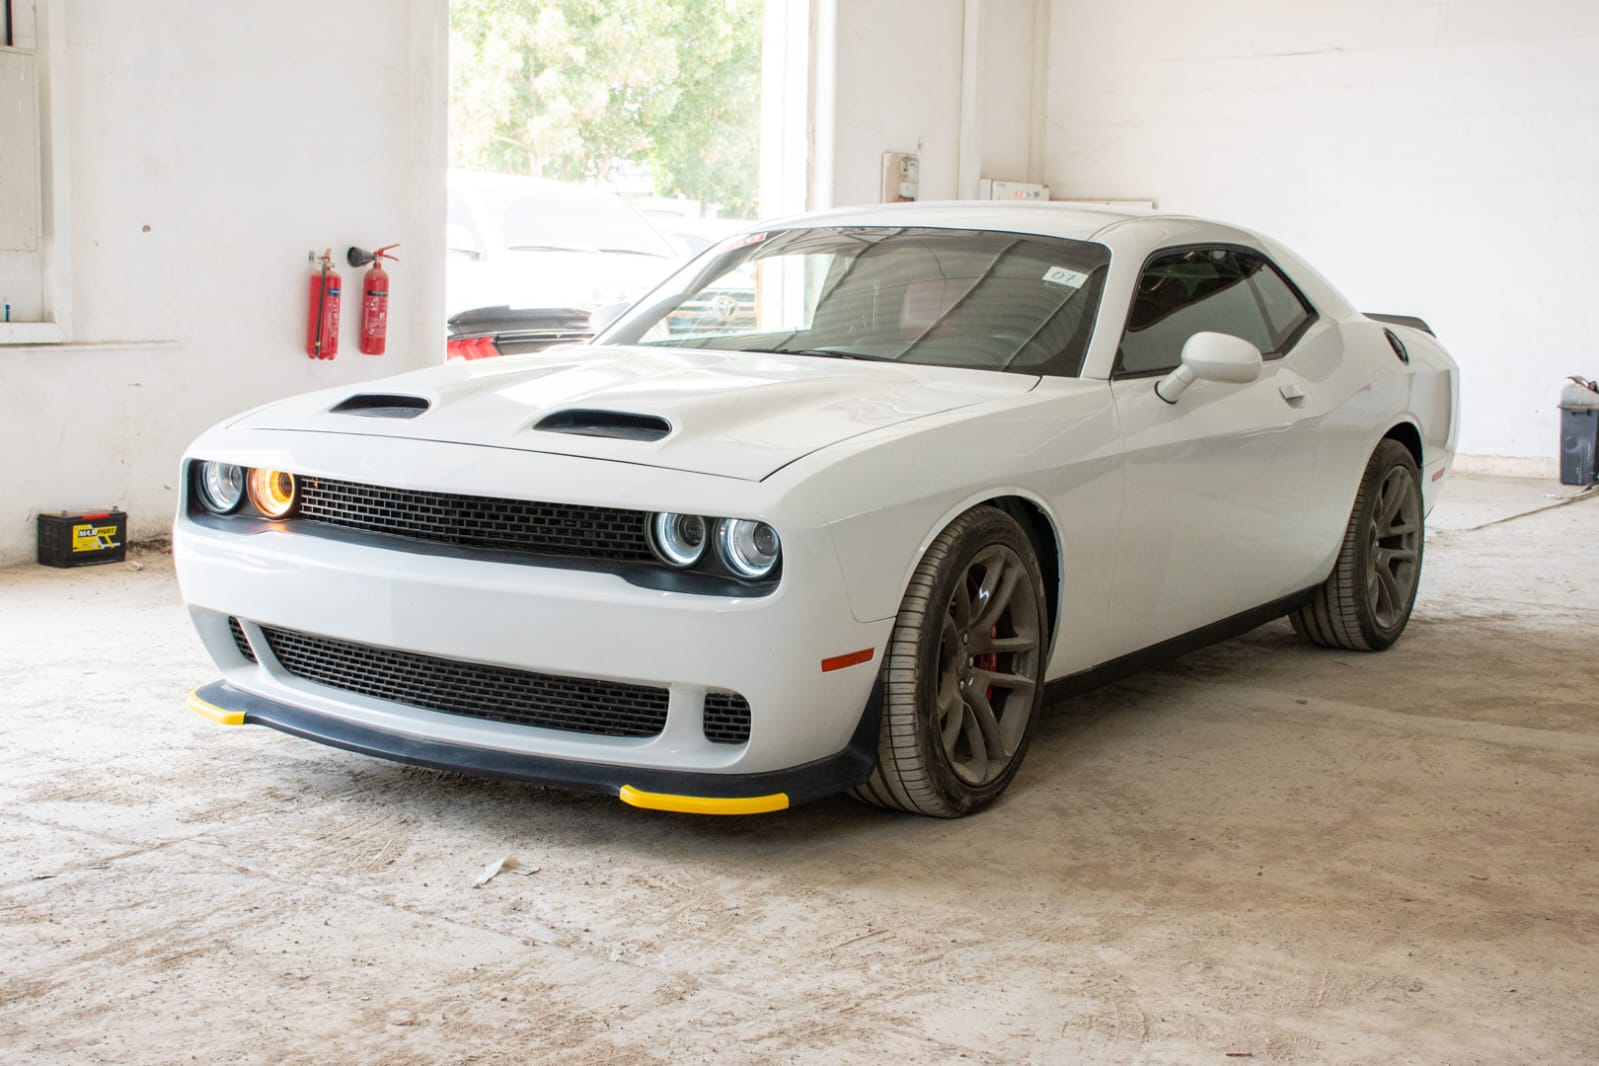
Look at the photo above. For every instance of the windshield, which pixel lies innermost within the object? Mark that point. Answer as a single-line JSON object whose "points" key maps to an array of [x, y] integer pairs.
{"points": [[552, 218], [938, 297]]}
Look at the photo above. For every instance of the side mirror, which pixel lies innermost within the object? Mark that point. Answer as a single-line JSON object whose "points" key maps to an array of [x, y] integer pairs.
{"points": [[457, 238], [1211, 357]]}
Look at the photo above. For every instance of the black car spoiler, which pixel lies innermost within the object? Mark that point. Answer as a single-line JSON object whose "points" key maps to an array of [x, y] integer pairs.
{"points": [[1402, 320]]}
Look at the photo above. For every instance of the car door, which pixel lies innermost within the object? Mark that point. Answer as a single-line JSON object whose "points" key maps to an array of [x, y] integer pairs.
{"points": [[1216, 484]]}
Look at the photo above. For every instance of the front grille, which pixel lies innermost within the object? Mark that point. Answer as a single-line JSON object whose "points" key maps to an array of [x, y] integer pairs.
{"points": [[241, 640], [495, 693], [611, 533], [727, 718]]}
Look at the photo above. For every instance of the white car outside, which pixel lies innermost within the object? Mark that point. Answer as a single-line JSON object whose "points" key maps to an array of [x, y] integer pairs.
{"points": [[529, 243], [961, 453]]}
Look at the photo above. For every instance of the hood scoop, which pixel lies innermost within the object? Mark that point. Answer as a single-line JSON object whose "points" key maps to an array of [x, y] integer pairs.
{"points": [[381, 405], [618, 425]]}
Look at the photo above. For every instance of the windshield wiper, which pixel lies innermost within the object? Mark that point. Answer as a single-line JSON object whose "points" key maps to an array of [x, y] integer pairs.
{"points": [[546, 248], [826, 353]]}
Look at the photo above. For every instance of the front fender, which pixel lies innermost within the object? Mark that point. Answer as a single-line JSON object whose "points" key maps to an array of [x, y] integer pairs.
{"points": [[1059, 450]]}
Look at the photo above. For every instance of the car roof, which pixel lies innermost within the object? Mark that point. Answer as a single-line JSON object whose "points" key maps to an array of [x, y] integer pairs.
{"points": [[1082, 222]]}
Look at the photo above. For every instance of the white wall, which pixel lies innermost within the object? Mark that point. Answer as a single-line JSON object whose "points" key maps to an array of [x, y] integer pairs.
{"points": [[211, 146], [1437, 159], [898, 89], [1003, 96], [907, 73]]}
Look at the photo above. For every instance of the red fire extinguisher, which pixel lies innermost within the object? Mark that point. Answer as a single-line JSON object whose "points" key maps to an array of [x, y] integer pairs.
{"points": [[322, 332], [374, 297]]}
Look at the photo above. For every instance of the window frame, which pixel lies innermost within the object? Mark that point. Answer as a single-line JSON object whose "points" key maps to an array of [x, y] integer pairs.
{"points": [[1286, 345], [54, 326]]}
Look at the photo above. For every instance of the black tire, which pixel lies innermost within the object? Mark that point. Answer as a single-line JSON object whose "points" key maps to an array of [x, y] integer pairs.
{"points": [[972, 627], [1365, 603]]}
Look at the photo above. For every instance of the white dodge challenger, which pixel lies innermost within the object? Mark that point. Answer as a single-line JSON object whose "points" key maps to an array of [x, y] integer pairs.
{"points": [[958, 456]]}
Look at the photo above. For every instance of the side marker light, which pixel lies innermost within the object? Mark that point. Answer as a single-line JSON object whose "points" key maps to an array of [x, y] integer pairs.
{"points": [[838, 662]]}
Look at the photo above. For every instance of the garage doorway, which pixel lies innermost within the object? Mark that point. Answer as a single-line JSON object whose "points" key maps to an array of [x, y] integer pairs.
{"points": [[595, 145]]}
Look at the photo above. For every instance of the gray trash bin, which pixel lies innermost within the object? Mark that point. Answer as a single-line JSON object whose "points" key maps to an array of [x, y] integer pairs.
{"points": [[1579, 432]]}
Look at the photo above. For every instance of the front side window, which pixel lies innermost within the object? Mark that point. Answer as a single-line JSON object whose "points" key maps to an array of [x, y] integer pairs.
{"points": [[962, 298], [1221, 290]]}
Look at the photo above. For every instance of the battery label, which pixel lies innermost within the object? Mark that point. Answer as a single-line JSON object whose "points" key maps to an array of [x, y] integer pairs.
{"points": [[92, 538]]}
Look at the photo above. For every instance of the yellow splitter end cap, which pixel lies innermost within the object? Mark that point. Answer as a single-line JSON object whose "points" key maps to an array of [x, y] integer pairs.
{"points": [[662, 801], [213, 712]]}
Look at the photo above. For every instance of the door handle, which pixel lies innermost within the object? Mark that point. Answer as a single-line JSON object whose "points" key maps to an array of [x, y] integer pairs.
{"points": [[1293, 394]]}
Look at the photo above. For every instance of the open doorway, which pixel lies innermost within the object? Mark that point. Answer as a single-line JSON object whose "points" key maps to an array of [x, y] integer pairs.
{"points": [[596, 145]]}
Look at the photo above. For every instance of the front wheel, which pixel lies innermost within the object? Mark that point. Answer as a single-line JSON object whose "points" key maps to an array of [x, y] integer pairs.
{"points": [[1365, 603], [963, 676]]}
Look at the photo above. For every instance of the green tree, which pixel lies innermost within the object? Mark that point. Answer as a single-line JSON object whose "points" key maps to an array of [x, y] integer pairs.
{"points": [[569, 89]]}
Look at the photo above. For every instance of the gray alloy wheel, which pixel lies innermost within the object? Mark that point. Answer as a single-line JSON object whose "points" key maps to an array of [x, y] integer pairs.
{"points": [[1365, 603], [964, 672]]}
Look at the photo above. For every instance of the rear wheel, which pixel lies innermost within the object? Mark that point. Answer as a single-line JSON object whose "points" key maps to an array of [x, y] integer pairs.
{"points": [[1365, 603], [963, 677]]}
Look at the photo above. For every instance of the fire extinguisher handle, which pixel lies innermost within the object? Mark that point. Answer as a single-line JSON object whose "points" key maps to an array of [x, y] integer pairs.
{"points": [[360, 257]]}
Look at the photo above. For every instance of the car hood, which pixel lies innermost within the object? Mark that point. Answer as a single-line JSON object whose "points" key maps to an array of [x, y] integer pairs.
{"points": [[730, 414]]}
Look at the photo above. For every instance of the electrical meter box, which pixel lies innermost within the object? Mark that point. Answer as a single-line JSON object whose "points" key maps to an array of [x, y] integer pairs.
{"points": [[902, 177]]}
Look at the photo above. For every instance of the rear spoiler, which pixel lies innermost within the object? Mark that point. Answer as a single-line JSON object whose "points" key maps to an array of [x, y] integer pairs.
{"points": [[1402, 320]]}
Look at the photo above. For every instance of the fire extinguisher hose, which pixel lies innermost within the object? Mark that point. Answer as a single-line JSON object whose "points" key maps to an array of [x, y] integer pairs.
{"points": [[321, 302]]}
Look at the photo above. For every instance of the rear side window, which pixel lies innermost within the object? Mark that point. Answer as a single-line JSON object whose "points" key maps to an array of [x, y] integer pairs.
{"points": [[1222, 290], [1286, 313]]}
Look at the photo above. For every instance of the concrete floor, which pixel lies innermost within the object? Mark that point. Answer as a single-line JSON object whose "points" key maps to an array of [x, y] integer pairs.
{"points": [[1263, 852]]}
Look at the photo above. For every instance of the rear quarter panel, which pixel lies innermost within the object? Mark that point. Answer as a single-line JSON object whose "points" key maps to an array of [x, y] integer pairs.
{"points": [[1369, 392]]}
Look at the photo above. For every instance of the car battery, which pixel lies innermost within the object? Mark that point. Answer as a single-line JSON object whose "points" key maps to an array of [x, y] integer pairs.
{"points": [[1579, 433], [72, 538]]}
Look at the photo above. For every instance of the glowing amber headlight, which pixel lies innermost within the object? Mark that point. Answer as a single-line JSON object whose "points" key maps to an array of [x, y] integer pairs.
{"points": [[272, 492]]}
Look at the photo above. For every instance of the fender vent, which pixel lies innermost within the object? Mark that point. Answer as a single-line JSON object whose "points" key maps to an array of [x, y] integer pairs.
{"points": [[620, 425], [1398, 346], [382, 405]]}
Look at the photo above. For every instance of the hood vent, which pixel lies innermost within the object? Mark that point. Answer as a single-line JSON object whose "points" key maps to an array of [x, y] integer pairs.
{"points": [[381, 405], [619, 425]]}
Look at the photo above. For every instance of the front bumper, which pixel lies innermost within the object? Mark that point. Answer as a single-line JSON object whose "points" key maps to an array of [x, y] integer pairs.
{"points": [[804, 719]]}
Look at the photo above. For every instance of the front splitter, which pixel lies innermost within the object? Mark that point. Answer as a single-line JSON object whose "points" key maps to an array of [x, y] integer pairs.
{"points": [[645, 787]]}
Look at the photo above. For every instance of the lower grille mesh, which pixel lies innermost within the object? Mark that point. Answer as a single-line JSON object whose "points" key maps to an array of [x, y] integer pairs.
{"points": [[495, 693], [727, 718]]}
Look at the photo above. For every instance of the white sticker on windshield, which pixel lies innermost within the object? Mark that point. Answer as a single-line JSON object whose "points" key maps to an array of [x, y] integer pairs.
{"points": [[1061, 276]]}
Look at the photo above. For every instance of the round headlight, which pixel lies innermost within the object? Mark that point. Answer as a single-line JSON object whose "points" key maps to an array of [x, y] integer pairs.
{"points": [[221, 486], [750, 549], [272, 492], [679, 539]]}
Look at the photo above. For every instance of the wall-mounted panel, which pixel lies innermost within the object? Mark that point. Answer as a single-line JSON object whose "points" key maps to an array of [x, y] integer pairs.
{"points": [[19, 153]]}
